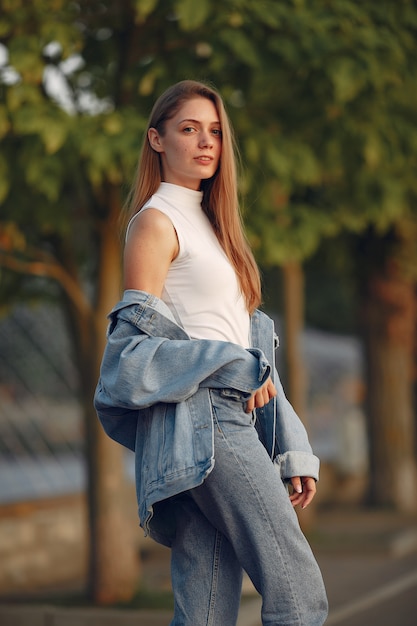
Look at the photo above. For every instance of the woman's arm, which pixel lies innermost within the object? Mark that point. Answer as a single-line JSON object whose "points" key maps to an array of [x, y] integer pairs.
{"points": [[150, 248]]}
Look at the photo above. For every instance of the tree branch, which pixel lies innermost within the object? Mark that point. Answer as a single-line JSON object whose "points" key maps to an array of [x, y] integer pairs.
{"points": [[49, 269]]}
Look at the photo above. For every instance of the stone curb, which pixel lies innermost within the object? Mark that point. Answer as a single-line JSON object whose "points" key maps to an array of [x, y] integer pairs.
{"points": [[35, 615]]}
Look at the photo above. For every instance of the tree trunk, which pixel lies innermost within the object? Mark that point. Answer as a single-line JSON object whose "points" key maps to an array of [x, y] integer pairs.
{"points": [[114, 563], [389, 333], [297, 381], [294, 325], [113, 523]]}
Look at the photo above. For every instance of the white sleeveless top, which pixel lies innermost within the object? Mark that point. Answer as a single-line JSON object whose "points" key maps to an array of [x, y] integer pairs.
{"points": [[201, 288]]}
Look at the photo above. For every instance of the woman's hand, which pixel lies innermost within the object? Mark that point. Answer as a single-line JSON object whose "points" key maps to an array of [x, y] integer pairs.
{"points": [[304, 490], [261, 396]]}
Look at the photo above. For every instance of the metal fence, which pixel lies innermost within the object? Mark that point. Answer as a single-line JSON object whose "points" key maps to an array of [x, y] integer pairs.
{"points": [[41, 439]]}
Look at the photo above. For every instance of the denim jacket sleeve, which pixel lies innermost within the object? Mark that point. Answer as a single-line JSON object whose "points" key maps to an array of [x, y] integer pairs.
{"points": [[294, 455], [286, 438], [142, 366]]}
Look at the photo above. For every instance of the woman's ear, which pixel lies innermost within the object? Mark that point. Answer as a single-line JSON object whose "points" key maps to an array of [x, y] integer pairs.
{"points": [[154, 140]]}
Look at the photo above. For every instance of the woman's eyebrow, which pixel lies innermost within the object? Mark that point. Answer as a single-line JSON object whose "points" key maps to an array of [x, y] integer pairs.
{"points": [[190, 120]]}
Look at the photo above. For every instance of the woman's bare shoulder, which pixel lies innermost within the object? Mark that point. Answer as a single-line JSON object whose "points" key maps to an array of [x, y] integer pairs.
{"points": [[151, 246], [150, 221]]}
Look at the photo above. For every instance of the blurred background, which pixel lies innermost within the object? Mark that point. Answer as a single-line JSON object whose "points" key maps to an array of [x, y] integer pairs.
{"points": [[322, 97]]}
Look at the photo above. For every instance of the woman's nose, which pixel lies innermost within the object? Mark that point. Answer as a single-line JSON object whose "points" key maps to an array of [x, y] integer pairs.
{"points": [[206, 140]]}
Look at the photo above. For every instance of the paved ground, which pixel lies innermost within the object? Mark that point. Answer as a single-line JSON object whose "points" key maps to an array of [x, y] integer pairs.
{"points": [[368, 560]]}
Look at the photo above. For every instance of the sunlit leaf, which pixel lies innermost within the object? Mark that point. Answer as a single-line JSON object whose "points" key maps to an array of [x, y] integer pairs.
{"points": [[144, 8], [192, 14]]}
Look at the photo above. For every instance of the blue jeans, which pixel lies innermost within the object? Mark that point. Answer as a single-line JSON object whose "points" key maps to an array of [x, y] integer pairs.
{"points": [[241, 518]]}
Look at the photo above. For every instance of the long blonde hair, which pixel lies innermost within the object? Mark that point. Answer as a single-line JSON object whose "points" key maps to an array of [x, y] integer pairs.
{"points": [[220, 196]]}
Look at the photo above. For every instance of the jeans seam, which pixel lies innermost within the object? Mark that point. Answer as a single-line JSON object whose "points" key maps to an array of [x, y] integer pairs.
{"points": [[214, 579]]}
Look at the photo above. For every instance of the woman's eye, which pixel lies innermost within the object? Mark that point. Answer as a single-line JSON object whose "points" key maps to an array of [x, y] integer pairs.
{"points": [[188, 129], [217, 132]]}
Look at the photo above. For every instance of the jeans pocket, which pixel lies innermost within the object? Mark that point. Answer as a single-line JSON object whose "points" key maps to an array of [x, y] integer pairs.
{"points": [[230, 415]]}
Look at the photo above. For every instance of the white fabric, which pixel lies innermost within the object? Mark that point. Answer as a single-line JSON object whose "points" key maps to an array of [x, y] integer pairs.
{"points": [[201, 288]]}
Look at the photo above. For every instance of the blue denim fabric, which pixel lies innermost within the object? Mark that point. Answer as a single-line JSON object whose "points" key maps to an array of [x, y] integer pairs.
{"points": [[154, 396], [241, 517]]}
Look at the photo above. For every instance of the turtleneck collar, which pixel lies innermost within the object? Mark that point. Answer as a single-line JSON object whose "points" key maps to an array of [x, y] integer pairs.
{"points": [[185, 196]]}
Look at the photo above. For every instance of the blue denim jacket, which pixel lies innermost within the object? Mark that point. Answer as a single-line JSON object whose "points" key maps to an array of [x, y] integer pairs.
{"points": [[153, 396]]}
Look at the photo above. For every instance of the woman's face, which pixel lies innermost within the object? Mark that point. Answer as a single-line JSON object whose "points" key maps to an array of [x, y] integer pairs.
{"points": [[191, 145]]}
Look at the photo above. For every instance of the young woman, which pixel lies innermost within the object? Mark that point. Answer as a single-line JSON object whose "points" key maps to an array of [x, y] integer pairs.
{"points": [[188, 382]]}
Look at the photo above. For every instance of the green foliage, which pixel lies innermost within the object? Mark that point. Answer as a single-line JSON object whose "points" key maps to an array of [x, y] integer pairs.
{"points": [[143, 8], [192, 15], [321, 96], [332, 122]]}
